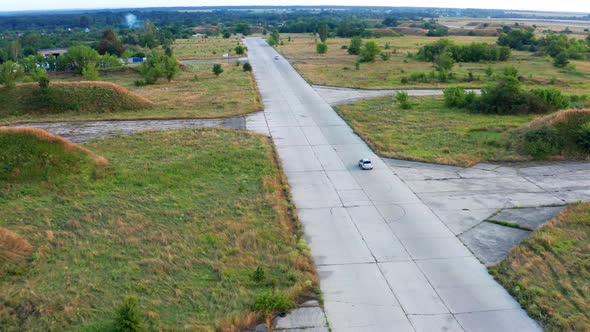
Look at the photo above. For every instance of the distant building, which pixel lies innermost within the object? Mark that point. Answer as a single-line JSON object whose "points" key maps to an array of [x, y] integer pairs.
{"points": [[55, 52]]}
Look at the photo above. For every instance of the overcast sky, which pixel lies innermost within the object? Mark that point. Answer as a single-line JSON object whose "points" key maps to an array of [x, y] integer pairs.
{"points": [[564, 5]]}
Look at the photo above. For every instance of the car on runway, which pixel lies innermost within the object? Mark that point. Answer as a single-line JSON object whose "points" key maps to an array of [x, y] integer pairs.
{"points": [[365, 164]]}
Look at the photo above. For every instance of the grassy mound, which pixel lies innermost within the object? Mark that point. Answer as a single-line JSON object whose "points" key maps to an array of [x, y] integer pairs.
{"points": [[565, 133], [81, 97], [32, 154], [549, 273]]}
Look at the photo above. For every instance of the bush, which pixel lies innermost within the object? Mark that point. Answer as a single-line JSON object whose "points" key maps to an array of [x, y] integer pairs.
{"points": [[542, 142], [454, 97], [553, 98], [269, 304], [355, 46], [217, 69], [10, 72], [385, 56], [128, 316], [240, 50], [506, 97], [90, 73], [403, 99], [321, 48], [369, 52], [247, 66], [561, 60], [583, 138]]}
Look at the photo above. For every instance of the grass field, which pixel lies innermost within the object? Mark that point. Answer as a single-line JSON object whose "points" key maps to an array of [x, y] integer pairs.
{"points": [[180, 219], [200, 48], [337, 67], [432, 132], [549, 273], [234, 92]]}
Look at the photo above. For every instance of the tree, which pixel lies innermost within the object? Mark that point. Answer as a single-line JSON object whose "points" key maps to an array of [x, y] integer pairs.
{"points": [[355, 46], [128, 316], [443, 62], [151, 69], [80, 56], [561, 60], [170, 67], [217, 69], [15, 49], [370, 51], [323, 32], [226, 34], [10, 72], [269, 304], [390, 22], [274, 38], [240, 50], [321, 48], [110, 44], [90, 73]]}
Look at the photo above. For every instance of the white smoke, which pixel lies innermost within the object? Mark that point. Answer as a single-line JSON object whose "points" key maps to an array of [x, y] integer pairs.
{"points": [[132, 22]]}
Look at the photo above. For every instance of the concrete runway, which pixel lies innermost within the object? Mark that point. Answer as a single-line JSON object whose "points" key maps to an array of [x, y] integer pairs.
{"points": [[386, 262]]}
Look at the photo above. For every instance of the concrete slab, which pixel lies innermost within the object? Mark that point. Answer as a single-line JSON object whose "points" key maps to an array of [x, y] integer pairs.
{"points": [[328, 158], [412, 289], [529, 218], [477, 298], [382, 242], [355, 317], [501, 185], [429, 248], [352, 198], [455, 272], [435, 323], [333, 237], [501, 320], [314, 135], [298, 159], [312, 190], [302, 318], [491, 243], [459, 221], [288, 136], [343, 180], [364, 285]]}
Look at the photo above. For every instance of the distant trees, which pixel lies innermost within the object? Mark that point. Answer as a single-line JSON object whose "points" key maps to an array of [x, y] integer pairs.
{"points": [[355, 46], [435, 29], [369, 51], [110, 44], [518, 39], [321, 48], [474, 52], [10, 72], [390, 22], [80, 56]]}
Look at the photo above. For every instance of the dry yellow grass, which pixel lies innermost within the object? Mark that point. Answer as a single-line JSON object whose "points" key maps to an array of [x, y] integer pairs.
{"points": [[561, 117], [13, 247]]}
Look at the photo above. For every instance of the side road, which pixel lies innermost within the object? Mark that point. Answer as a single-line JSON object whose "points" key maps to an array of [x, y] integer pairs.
{"points": [[386, 262]]}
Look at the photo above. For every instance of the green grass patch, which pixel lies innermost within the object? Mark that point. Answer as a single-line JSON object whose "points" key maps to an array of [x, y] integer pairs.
{"points": [[195, 224], [28, 154], [549, 273], [75, 97], [201, 48], [432, 132]]}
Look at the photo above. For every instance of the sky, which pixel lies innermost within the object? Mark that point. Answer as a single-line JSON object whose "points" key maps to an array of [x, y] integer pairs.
{"points": [[564, 5]]}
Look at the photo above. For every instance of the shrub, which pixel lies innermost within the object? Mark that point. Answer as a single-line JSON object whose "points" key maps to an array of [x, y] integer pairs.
{"points": [[217, 69], [90, 73], [583, 138], [403, 99], [268, 304], [240, 49], [385, 56], [354, 48], [80, 56], [369, 52], [542, 142], [506, 97], [454, 97], [128, 316], [247, 66], [10, 72], [561, 60], [321, 48], [553, 98]]}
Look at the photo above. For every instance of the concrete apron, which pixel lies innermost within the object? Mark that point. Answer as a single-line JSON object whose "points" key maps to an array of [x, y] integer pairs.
{"points": [[386, 262]]}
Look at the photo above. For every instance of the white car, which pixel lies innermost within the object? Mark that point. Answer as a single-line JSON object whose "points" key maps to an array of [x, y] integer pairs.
{"points": [[366, 164]]}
